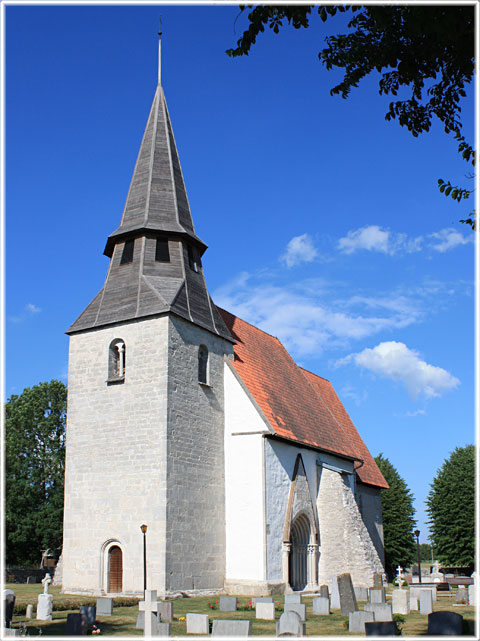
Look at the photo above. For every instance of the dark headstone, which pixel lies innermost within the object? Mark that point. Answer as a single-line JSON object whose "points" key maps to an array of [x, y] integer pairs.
{"points": [[348, 602], [77, 625], [445, 623], [90, 611], [32, 579], [9, 604], [381, 628], [324, 591]]}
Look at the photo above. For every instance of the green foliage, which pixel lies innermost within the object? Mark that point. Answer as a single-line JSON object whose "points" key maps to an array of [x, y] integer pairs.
{"points": [[425, 52], [451, 508], [34, 471], [425, 552], [398, 521]]}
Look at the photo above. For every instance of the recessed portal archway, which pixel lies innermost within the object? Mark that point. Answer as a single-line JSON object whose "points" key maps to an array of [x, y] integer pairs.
{"points": [[115, 569], [299, 539]]}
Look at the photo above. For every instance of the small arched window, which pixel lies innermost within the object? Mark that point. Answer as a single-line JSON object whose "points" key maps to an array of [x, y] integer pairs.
{"points": [[116, 361], [203, 365]]}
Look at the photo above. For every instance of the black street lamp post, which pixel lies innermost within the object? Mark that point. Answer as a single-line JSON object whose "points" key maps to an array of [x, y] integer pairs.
{"points": [[417, 534], [144, 532]]}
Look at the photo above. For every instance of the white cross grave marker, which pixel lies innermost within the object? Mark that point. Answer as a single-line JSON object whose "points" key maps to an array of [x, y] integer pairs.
{"points": [[148, 606], [399, 579]]}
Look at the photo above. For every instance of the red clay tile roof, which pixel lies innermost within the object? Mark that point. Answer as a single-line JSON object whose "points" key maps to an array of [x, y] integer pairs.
{"points": [[299, 406]]}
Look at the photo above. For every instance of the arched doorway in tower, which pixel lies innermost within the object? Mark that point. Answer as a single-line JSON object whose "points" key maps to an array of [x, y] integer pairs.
{"points": [[299, 539], [115, 569]]}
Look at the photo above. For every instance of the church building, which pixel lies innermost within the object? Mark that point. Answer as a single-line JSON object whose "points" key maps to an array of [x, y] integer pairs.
{"points": [[246, 469]]}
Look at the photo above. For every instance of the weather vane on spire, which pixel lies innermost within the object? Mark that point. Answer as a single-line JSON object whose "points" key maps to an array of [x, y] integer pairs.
{"points": [[160, 25], [160, 50]]}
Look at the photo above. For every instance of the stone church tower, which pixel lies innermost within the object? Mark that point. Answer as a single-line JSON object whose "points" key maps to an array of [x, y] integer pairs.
{"points": [[146, 398]]}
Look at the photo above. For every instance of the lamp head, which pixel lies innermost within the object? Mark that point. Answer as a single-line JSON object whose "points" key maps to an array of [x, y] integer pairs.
{"points": [[417, 533], [143, 528]]}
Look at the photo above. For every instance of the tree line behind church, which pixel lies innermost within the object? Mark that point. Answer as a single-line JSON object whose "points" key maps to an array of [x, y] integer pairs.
{"points": [[35, 423]]}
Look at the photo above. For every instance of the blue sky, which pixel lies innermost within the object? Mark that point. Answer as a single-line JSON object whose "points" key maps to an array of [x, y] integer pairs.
{"points": [[324, 222]]}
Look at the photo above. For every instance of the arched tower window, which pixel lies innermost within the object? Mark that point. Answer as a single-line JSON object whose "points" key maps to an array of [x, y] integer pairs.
{"points": [[203, 364], [116, 360]]}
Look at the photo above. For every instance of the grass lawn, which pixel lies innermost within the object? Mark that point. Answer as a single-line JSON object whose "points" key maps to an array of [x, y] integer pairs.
{"points": [[122, 623]]}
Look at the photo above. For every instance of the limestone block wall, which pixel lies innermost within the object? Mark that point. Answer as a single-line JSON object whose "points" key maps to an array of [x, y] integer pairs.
{"points": [[195, 531], [116, 454], [244, 487], [346, 545], [369, 501]]}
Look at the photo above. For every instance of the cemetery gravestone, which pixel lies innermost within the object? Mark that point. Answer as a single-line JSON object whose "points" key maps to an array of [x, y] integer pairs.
{"points": [[265, 611], [426, 602], [29, 611], [77, 625], [9, 605], [382, 611], [232, 628], [140, 625], [472, 594], [290, 624], [401, 602], [321, 605], [44, 607], [324, 591], [165, 610], [228, 604], [293, 598], [357, 620], [377, 581], [11, 632], [415, 591], [299, 608], [461, 595], [262, 599], [361, 593], [90, 611], [413, 604], [335, 600], [161, 629], [197, 624], [377, 595], [445, 623], [104, 606], [381, 628], [348, 603], [148, 606]]}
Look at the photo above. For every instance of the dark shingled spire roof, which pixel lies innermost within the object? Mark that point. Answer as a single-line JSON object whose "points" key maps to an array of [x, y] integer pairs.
{"points": [[156, 210]]}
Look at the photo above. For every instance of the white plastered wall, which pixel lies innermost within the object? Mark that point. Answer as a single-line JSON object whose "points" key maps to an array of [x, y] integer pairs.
{"points": [[244, 484]]}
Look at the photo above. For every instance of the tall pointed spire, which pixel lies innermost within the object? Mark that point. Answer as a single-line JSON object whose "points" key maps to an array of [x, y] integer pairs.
{"points": [[155, 264]]}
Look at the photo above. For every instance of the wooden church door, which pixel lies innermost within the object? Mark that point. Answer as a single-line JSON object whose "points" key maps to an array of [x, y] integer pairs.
{"points": [[115, 569]]}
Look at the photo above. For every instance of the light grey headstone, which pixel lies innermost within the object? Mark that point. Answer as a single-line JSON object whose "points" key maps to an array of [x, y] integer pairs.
{"points": [[231, 628], [361, 593], [104, 606], [348, 602], [426, 602], [401, 602], [140, 625], [299, 608], [197, 623], [413, 603], [265, 611], [161, 628], [335, 597], [381, 628], [90, 611], [321, 605], [377, 595], [461, 595], [165, 610], [11, 632], [293, 598], [262, 599], [324, 591], [445, 623], [357, 620], [415, 591], [228, 603], [29, 611], [382, 611], [44, 607], [77, 625], [290, 624], [472, 594]]}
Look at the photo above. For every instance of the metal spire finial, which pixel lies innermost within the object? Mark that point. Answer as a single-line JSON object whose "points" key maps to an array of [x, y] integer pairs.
{"points": [[160, 51]]}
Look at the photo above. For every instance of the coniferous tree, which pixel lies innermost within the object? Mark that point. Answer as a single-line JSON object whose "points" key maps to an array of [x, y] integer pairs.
{"points": [[451, 507], [398, 521], [34, 471]]}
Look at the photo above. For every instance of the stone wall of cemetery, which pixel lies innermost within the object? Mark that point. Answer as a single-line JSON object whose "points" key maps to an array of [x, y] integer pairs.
{"points": [[116, 457], [195, 532]]}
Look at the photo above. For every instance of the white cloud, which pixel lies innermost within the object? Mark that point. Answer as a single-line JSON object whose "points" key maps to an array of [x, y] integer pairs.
{"points": [[396, 361], [32, 309], [371, 238], [299, 250], [449, 238], [416, 413]]}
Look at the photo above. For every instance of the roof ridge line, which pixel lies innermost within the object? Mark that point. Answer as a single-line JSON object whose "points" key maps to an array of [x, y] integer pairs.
{"points": [[254, 327], [315, 374]]}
